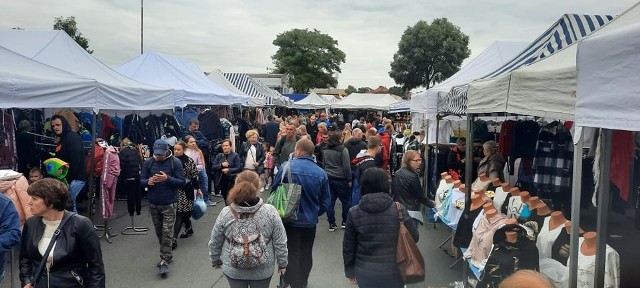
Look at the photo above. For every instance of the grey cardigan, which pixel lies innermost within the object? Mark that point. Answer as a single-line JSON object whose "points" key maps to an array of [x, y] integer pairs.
{"points": [[270, 226]]}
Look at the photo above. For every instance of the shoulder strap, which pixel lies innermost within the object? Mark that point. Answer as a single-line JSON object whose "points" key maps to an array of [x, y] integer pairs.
{"points": [[399, 210], [38, 273]]}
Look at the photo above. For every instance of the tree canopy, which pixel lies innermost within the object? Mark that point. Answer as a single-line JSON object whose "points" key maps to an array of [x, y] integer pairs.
{"points": [[397, 90], [310, 58], [350, 89], [429, 53], [70, 26]]}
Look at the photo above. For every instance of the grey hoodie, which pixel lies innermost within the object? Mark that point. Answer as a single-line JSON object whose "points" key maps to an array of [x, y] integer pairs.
{"points": [[271, 228]]}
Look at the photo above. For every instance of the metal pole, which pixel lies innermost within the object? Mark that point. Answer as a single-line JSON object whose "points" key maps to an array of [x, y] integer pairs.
{"points": [[604, 202], [468, 168], [575, 210], [426, 158], [141, 27], [437, 149], [92, 154]]}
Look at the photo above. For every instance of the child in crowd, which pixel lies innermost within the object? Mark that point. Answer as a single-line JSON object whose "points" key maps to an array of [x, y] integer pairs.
{"points": [[267, 176], [35, 174]]}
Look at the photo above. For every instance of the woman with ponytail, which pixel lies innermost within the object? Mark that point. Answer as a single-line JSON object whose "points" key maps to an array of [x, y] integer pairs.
{"points": [[244, 204]]}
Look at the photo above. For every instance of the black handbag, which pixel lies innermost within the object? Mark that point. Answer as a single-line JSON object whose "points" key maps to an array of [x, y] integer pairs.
{"points": [[34, 279]]}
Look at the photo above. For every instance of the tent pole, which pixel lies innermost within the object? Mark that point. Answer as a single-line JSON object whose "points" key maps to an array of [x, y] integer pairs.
{"points": [[92, 165], [437, 149], [468, 168], [426, 158], [604, 202], [575, 210]]}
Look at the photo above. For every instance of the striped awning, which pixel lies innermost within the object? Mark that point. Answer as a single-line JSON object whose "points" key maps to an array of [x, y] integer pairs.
{"points": [[400, 107], [569, 29], [243, 82]]}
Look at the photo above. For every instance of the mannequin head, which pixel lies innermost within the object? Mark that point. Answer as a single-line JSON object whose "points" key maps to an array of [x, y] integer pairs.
{"points": [[512, 236], [496, 182], [542, 209], [534, 202], [463, 188], [443, 175], [457, 183], [526, 279], [525, 196], [483, 177], [449, 179], [488, 206], [506, 187], [511, 221], [588, 247], [490, 213], [515, 191]]}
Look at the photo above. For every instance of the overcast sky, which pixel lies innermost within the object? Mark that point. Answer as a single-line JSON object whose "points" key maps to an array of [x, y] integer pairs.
{"points": [[237, 35]]}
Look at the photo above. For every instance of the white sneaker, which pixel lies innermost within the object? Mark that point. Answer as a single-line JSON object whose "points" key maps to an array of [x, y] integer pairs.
{"points": [[211, 203]]}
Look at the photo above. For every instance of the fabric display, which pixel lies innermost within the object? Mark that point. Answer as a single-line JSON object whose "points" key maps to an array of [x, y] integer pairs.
{"points": [[535, 222], [525, 213], [8, 152], [553, 160], [515, 206], [499, 197], [547, 237], [587, 266], [506, 138], [480, 185], [109, 180], [464, 231], [482, 241], [506, 257], [524, 140], [443, 189], [561, 249], [452, 207]]}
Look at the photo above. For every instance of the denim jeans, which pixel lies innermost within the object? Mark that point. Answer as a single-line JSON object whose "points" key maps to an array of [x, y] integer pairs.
{"points": [[339, 190], [377, 282], [74, 189], [355, 197], [204, 184]]}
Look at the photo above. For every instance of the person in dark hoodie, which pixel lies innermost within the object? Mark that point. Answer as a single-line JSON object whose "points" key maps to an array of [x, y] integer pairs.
{"points": [[336, 162], [163, 175], [365, 160], [355, 145], [368, 248], [69, 149]]}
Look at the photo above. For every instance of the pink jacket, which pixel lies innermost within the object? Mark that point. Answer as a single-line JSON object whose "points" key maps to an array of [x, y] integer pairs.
{"points": [[17, 191], [111, 166]]}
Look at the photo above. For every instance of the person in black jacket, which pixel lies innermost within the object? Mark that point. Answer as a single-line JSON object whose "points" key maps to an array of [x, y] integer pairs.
{"points": [[76, 260], [455, 159], [69, 149], [226, 166], [371, 235], [130, 163], [337, 165], [271, 130], [406, 187], [363, 161]]}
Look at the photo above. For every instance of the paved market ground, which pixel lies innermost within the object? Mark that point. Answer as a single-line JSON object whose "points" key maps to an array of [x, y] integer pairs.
{"points": [[130, 261]]}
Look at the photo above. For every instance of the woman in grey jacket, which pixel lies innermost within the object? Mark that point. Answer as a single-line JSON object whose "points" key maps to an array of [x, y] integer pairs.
{"points": [[247, 209]]}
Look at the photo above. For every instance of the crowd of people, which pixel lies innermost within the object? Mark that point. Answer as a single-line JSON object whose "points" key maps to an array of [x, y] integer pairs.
{"points": [[331, 161]]}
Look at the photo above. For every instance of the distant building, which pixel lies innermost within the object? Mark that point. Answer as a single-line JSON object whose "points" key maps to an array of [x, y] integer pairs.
{"points": [[380, 90], [278, 82], [330, 91]]}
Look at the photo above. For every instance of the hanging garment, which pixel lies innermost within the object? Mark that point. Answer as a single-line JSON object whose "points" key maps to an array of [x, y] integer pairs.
{"points": [[553, 160], [109, 181], [622, 143], [210, 125], [506, 258], [499, 197], [482, 241], [561, 248], [8, 152], [506, 138], [455, 207], [524, 140], [547, 237], [464, 231], [587, 267]]}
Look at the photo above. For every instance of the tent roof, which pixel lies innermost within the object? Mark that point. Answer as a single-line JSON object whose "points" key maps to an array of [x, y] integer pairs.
{"points": [[401, 106], [532, 90], [26, 83], [312, 101], [366, 101], [255, 88], [608, 72], [57, 49], [192, 87], [491, 58], [216, 76], [330, 98]]}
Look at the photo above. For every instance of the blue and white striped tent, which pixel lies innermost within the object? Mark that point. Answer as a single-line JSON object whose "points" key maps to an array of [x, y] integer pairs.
{"points": [[257, 89], [399, 107], [569, 29]]}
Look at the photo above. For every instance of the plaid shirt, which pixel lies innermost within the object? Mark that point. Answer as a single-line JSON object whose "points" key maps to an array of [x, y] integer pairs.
{"points": [[553, 161]]}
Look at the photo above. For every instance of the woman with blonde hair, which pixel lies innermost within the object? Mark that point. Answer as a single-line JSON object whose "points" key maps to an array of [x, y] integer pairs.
{"points": [[406, 187], [251, 153], [322, 127], [246, 208], [194, 152], [493, 163]]}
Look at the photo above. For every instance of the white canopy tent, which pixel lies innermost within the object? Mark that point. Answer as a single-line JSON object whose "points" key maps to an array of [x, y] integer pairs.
{"points": [[496, 55], [26, 83], [57, 49], [312, 101], [366, 101], [330, 98], [191, 86], [217, 77]]}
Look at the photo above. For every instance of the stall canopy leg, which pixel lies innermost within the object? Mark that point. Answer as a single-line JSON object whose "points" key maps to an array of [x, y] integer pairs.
{"points": [[604, 202], [575, 210]]}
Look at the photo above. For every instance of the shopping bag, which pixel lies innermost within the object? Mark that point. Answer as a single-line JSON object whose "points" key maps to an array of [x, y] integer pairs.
{"points": [[199, 207], [408, 257], [286, 197]]}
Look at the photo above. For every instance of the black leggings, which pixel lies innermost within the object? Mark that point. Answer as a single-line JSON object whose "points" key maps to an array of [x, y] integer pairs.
{"points": [[132, 190], [181, 218], [226, 183]]}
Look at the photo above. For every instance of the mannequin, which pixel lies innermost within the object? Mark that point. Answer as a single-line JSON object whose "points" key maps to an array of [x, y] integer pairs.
{"points": [[501, 196], [534, 202], [482, 182], [557, 219], [543, 210], [525, 212], [490, 213], [449, 179], [525, 196], [515, 191], [443, 175], [511, 221], [478, 191], [462, 188], [515, 204], [476, 202], [456, 183], [506, 187], [512, 236], [483, 177], [588, 247], [496, 182], [488, 206]]}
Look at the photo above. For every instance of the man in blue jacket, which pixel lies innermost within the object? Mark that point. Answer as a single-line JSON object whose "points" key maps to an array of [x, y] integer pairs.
{"points": [[314, 202], [162, 174], [9, 230]]}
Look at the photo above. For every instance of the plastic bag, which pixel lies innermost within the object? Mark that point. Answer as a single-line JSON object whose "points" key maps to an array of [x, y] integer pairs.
{"points": [[278, 199], [199, 207]]}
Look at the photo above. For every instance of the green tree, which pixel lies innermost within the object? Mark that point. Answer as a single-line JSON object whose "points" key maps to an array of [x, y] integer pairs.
{"points": [[364, 90], [70, 26], [310, 58], [350, 89], [429, 53], [397, 90]]}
